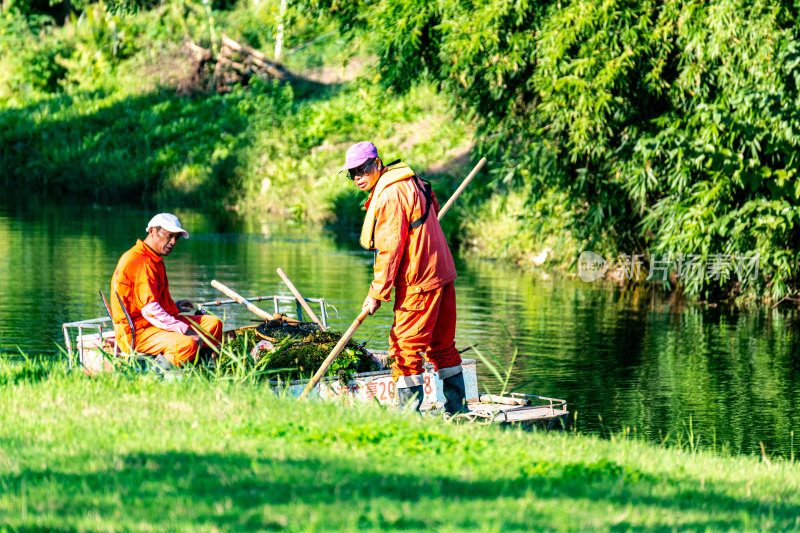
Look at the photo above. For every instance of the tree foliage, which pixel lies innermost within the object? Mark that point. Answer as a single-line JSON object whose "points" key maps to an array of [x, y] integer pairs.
{"points": [[671, 124]]}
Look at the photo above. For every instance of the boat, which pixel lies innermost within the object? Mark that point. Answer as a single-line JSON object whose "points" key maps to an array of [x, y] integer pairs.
{"points": [[91, 347]]}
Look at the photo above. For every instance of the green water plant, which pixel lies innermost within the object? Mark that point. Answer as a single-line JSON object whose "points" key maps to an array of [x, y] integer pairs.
{"points": [[496, 367], [288, 358]]}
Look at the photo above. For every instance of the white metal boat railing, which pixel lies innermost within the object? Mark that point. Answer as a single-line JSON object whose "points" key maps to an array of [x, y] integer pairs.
{"points": [[76, 338]]}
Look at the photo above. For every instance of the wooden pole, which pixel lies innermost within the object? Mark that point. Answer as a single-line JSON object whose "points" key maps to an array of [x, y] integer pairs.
{"points": [[461, 188], [300, 299], [235, 296], [336, 351]]}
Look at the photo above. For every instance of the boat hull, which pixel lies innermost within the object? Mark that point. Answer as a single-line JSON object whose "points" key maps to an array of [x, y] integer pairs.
{"points": [[96, 353]]}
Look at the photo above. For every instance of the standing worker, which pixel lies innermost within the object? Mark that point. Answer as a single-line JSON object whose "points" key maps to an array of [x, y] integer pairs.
{"points": [[140, 280], [411, 255]]}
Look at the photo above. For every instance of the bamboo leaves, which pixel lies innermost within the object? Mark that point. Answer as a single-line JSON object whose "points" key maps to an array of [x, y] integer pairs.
{"points": [[666, 118]]}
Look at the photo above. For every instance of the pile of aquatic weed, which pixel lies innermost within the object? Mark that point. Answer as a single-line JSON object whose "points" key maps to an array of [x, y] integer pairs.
{"points": [[292, 352], [280, 329]]}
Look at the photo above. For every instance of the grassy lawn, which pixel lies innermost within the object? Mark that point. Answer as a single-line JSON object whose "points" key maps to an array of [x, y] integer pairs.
{"points": [[136, 453]]}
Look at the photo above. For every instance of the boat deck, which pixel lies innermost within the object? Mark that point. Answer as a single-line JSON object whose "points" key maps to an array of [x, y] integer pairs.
{"points": [[519, 409]]}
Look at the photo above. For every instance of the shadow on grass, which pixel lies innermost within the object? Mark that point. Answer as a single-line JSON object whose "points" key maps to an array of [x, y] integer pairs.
{"points": [[255, 493], [155, 147]]}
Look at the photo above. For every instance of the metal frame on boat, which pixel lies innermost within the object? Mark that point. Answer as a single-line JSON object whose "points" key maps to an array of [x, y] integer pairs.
{"points": [[95, 350]]}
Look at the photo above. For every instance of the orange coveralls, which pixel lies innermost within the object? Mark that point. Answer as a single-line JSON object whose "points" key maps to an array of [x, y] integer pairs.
{"points": [[418, 263], [139, 279]]}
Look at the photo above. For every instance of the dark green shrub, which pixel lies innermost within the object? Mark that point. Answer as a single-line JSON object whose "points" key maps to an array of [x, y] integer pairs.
{"points": [[41, 65]]}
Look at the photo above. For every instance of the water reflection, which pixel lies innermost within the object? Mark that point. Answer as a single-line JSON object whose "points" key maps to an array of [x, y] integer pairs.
{"points": [[628, 356]]}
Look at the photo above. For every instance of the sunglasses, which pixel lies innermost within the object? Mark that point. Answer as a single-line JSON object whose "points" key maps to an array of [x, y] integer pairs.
{"points": [[359, 170]]}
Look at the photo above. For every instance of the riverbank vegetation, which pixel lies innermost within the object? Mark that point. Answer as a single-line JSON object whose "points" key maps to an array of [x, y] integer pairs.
{"points": [[660, 129], [127, 451], [104, 107], [669, 126]]}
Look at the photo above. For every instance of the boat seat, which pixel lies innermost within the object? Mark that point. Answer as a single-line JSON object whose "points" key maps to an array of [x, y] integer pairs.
{"points": [[141, 360]]}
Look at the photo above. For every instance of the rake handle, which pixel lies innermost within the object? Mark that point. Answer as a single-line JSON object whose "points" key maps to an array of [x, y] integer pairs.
{"points": [[235, 296], [461, 188], [300, 299], [335, 353]]}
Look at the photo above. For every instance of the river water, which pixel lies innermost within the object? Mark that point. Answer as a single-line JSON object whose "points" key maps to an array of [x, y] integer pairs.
{"points": [[622, 359]]}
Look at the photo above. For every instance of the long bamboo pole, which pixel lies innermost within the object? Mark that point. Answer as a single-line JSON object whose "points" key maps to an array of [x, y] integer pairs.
{"points": [[300, 299], [363, 315], [235, 296], [461, 188]]}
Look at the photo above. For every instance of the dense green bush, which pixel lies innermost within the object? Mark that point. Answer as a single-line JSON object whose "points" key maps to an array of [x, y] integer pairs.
{"points": [[111, 127], [44, 69], [30, 64], [672, 125]]}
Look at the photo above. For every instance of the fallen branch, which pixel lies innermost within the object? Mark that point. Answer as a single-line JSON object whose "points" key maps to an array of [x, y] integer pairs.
{"points": [[235, 64]]}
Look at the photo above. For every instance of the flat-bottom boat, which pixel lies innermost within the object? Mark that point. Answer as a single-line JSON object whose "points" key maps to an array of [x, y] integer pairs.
{"points": [[91, 346]]}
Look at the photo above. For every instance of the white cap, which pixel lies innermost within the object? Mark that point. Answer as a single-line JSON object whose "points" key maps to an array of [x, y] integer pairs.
{"points": [[169, 222]]}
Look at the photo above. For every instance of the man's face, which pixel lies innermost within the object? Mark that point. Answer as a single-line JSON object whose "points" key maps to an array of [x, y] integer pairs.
{"points": [[161, 241], [366, 176]]}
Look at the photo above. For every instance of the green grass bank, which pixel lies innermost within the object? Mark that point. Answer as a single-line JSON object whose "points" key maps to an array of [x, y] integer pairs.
{"points": [[126, 452]]}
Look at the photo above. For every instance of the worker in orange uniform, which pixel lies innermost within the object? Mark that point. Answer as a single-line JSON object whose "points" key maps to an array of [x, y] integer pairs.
{"points": [[411, 255], [140, 280]]}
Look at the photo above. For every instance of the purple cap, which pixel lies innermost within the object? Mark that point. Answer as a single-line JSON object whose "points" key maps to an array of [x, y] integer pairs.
{"points": [[358, 154]]}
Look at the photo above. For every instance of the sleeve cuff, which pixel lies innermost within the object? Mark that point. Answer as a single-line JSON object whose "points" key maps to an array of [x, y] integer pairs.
{"points": [[380, 295]]}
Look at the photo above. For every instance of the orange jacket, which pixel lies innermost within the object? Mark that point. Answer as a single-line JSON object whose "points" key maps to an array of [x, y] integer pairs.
{"points": [[139, 279], [418, 258]]}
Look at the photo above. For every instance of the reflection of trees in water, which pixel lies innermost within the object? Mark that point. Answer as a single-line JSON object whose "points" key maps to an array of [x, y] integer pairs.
{"points": [[641, 361], [725, 371]]}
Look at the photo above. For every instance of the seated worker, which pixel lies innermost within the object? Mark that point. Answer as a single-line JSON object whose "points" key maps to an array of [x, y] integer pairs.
{"points": [[141, 282], [411, 256]]}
